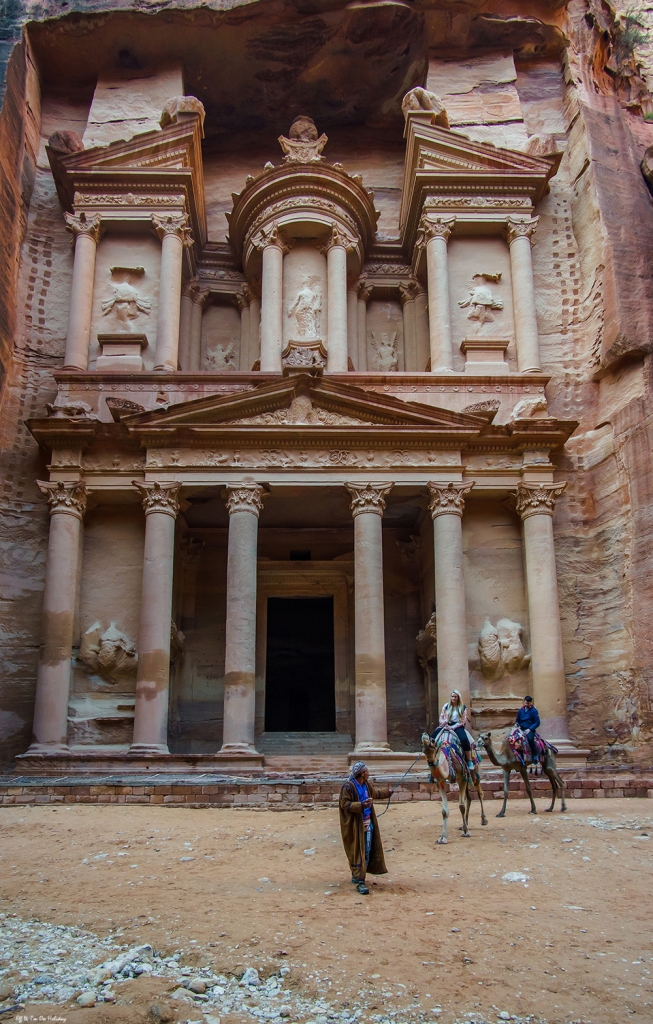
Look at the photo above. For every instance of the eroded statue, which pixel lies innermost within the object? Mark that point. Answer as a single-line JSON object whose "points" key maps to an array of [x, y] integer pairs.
{"points": [[108, 652], [306, 309], [220, 359], [500, 649], [481, 302], [126, 304], [385, 349], [426, 644], [421, 99]]}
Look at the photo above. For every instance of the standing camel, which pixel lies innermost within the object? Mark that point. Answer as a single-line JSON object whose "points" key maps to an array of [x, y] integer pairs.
{"points": [[440, 769], [506, 759]]}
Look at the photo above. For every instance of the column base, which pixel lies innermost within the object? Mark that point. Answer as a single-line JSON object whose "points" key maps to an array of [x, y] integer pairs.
{"points": [[46, 748], [149, 748], [244, 749], [164, 368], [370, 747]]}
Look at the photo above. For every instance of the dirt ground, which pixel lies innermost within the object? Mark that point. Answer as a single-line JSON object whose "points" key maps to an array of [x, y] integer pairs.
{"points": [[440, 936]]}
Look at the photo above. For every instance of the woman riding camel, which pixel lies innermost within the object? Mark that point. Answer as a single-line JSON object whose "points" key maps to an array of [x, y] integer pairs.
{"points": [[454, 717]]}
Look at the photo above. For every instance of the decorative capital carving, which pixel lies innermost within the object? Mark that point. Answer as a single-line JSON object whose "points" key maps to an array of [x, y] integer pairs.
{"points": [[434, 227], [84, 224], [244, 498], [408, 291], [158, 497], [368, 497], [447, 499], [172, 224], [192, 290], [271, 235], [537, 499], [338, 237], [365, 290], [518, 228], [64, 497]]}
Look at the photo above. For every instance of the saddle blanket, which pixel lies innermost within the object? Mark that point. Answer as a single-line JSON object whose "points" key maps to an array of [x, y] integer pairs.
{"points": [[518, 742]]}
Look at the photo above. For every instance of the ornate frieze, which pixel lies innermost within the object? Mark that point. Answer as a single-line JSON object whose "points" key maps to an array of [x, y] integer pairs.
{"points": [[146, 199], [68, 498], [300, 458], [244, 498], [159, 497], [447, 499], [368, 497], [472, 202], [537, 499], [84, 224]]}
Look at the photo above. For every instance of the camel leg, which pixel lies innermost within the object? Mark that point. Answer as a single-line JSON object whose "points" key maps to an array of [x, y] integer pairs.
{"points": [[464, 801], [524, 775], [548, 771], [506, 782], [479, 790], [561, 788], [445, 811]]}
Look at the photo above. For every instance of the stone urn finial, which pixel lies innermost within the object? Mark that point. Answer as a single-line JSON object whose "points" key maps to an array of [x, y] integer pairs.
{"points": [[303, 145], [426, 106]]}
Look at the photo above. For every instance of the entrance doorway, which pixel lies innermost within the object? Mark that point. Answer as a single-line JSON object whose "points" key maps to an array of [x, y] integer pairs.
{"points": [[300, 675]]}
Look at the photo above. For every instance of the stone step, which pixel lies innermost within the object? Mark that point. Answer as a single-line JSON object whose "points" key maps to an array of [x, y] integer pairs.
{"points": [[310, 743]]}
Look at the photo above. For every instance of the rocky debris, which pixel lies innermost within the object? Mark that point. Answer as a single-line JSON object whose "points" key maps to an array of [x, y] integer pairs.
{"points": [[87, 998]]}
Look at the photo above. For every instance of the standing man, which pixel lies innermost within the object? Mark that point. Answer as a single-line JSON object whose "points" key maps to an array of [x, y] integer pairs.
{"points": [[528, 721], [358, 825]]}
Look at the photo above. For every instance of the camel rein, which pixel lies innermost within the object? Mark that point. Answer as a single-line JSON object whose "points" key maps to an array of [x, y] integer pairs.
{"points": [[399, 783]]}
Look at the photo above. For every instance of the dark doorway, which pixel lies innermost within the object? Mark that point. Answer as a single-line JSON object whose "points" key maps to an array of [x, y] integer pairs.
{"points": [[300, 678]]}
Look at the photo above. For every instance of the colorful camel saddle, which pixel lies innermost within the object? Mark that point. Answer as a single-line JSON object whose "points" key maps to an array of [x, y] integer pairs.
{"points": [[518, 742], [448, 742]]}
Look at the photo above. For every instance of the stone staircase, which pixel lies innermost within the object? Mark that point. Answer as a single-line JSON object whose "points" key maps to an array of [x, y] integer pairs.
{"points": [[311, 744]]}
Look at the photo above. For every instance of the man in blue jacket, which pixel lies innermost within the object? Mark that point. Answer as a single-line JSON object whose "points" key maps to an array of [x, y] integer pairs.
{"points": [[528, 721]]}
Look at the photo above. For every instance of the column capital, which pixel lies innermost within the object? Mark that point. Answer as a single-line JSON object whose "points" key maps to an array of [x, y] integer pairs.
{"points": [[447, 499], [172, 224], [338, 237], [159, 497], [517, 227], [368, 497], [193, 290], [537, 499], [244, 498], [434, 227], [365, 290], [271, 236], [409, 290], [191, 549], [84, 224], [69, 498]]}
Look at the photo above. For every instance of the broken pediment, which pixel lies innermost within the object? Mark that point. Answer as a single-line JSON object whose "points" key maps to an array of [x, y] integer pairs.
{"points": [[446, 170]]}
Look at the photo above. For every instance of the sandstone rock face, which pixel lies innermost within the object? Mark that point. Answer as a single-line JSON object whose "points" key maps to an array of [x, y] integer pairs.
{"points": [[562, 82]]}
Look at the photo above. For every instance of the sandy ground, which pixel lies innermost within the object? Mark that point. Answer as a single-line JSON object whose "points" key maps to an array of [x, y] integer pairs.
{"points": [[440, 936]]}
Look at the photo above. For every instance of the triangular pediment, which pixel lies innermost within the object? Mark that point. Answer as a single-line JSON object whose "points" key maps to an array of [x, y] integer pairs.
{"points": [[301, 401]]}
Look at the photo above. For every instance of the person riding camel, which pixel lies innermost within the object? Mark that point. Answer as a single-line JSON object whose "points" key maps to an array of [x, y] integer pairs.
{"points": [[454, 717], [528, 720]]}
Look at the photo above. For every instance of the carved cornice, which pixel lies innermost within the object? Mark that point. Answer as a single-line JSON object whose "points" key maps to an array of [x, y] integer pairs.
{"points": [[537, 499], [65, 498], [447, 499], [172, 224], [84, 224], [516, 227], [244, 498], [158, 497], [368, 498]]}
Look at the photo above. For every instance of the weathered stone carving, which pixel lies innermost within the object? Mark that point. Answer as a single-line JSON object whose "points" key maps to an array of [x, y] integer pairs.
{"points": [[302, 411], [75, 410], [64, 142], [220, 359], [481, 302], [304, 354], [120, 407], [368, 497], [500, 649], [177, 641], [434, 227], [68, 498], [244, 498], [306, 309], [158, 497], [181, 105], [172, 224], [477, 202], [125, 303], [537, 499], [84, 224], [447, 498], [303, 145], [489, 406], [419, 99], [271, 235], [409, 549], [518, 228], [109, 653], [426, 644], [528, 407], [385, 349]]}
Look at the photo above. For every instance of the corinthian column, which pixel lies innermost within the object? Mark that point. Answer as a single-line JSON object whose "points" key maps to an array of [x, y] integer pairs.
{"points": [[408, 292], [153, 675], [352, 325], [446, 505], [86, 235], [364, 294], [535, 505], [244, 503], [273, 247], [67, 503], [242, 301], [367, 505], [434, 234], [173, 231], [337, 247], [520, 233]]}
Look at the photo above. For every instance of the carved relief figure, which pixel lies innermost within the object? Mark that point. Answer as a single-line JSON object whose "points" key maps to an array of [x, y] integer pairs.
{"points": [[125, 304], [500, 649], [385, 348], [109, 653], [306, 309], [481, 301], [426, 644], [220, 359]]}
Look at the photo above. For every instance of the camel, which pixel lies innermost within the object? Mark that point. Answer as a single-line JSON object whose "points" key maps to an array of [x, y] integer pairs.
{"points": [[506, 759], [440, 772]]}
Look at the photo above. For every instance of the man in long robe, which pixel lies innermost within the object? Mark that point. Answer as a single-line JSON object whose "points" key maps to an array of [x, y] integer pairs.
{"points": [[359, 827]]}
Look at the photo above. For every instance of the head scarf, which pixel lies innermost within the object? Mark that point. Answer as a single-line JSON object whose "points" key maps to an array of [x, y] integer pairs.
{"points": [[461, 707], [356, 769]]}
